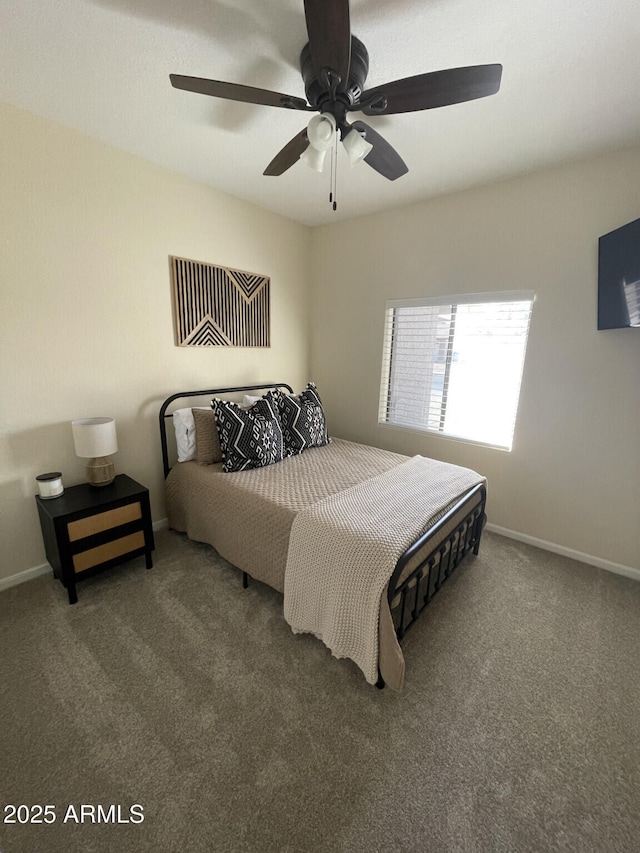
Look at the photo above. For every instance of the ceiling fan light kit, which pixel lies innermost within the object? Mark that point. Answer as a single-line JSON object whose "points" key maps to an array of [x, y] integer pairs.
{"points": [[334, 65], [314, 158], [356, 146], [321, 131]]}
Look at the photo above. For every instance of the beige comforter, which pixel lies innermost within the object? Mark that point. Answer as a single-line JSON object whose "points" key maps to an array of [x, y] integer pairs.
{"points": [[247, 516]]}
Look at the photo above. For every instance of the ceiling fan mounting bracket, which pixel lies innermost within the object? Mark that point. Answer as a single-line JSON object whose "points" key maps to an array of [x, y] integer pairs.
{"points": [[291, 103], [374, 103]]}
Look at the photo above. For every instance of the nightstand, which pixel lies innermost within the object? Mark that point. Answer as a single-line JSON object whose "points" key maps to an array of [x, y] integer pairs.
{"points": [[88, 529]]}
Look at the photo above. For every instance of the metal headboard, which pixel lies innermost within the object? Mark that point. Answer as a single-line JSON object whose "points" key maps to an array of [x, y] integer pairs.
{"points": [[163, 417]]}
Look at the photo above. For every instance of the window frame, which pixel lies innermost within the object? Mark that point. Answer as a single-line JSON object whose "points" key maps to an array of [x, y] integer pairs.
{"points": [[455, 300]]}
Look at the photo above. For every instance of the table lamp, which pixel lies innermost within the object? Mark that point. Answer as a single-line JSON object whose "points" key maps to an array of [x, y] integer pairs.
{"points": [[95, 439]]}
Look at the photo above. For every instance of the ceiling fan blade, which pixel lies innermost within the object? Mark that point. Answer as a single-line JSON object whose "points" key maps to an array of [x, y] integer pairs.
{"points": [[382, 157], [289, 155], [329, 30], [435, 89], [237, 92]]}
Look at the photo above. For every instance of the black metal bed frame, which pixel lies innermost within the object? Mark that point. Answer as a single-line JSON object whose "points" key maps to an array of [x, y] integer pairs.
{"points": [[163, 416], [427, 577], [409, 590]]}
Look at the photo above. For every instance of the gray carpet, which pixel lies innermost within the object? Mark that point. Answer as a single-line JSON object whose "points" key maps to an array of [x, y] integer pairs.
{"points": [[518, 728]]}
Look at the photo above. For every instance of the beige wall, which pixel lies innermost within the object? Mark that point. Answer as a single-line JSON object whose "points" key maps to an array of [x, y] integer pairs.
{"points": [[573, 476], [85, 314], [85, 307]]}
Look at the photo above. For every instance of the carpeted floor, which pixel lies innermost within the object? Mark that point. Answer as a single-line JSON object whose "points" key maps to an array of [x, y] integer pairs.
{"points": [[518, 728]]}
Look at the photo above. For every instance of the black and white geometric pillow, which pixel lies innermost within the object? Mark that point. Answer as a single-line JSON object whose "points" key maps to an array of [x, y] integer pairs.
{"points": [[249, 438], [302, 419]]}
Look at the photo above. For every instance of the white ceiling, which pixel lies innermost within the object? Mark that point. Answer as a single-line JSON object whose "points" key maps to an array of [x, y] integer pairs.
{"points": [[570, 87]]}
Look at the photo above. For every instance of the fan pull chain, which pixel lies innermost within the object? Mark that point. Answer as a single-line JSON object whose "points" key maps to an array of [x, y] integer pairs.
{"points": [[334, 173], [331, 178]]}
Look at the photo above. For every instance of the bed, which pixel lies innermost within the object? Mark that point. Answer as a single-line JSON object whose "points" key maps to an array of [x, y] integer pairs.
{"points": [[251, 517]]}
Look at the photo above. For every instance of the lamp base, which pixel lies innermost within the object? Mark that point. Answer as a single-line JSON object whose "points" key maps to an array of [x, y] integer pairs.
{"points": [[101, 471]]}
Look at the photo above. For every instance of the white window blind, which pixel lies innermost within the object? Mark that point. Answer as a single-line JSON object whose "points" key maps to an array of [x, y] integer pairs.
{"points": [[453, 364]]}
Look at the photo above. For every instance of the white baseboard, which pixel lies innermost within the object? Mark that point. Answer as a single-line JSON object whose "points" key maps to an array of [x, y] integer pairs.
{"points": [[22, 577], [599, 562], [36, 571]]}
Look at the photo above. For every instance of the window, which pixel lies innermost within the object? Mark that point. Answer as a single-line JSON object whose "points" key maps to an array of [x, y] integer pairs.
{"points": [[453, 364]]}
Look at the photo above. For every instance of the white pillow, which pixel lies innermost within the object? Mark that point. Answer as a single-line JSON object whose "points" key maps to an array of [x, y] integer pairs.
{"points": [[248, 401], [185, 429]]}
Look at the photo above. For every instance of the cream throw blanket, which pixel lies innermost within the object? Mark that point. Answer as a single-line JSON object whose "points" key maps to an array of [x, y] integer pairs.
{"points": [[344, 548]]}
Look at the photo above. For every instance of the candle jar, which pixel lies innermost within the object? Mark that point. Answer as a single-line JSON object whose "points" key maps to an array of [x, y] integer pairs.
{"points": [[50, 485]]}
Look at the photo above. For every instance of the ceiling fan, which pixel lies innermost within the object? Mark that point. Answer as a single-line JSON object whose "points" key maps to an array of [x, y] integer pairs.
{"points": [[334, 66]]}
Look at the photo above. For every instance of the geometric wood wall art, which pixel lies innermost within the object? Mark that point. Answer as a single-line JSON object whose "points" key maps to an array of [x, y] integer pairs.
{"points": [[217, 306]]}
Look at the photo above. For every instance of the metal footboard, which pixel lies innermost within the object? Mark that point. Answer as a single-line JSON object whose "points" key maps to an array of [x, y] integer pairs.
{"points": [[414, 584]]}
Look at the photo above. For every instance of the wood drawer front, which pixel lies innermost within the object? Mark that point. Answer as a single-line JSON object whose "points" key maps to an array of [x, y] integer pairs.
{"points": [[84, 527], [108, 551]]}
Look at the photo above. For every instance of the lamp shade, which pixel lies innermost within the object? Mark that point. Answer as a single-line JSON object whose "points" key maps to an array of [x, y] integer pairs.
{"points": [[94, 437], [314, 158], [321, 131], [357, 146]]}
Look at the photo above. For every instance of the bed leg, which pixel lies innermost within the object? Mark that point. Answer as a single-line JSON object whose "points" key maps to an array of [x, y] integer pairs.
{"points": [[245, 580], [482, 518], [380, 681]]}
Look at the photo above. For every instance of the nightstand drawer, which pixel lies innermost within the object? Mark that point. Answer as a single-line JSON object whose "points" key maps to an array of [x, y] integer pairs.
{"points": [[108, 551], [84, 527]]}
